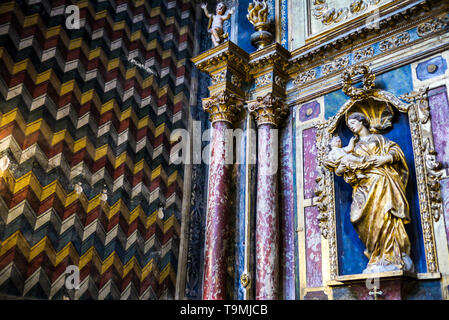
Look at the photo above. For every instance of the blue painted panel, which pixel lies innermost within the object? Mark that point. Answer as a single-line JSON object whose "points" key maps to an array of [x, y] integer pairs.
{"points": [[351, 257], [423, 74], [398, 82], [333, 102], [245, 27]]}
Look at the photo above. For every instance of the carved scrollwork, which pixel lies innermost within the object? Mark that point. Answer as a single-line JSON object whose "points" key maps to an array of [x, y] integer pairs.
{"points": [[338, 64], [327, 16], [363, 54], [305, 77], [432, 26], [428, 159], [368, 81], [219, 77], [396, 41], [434, 174], [263, 80], [236, 81], [420, 99]]}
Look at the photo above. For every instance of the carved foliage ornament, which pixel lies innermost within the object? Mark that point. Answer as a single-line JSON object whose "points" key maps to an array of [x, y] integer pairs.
{"points": [[434, 25], [305, 77], [223, 106], [327, 15], [428, 170], [268, 110]]}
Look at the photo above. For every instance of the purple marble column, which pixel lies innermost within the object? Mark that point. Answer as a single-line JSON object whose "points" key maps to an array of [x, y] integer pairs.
{"points": [[217, 217], [267, 225], [223, 107], [268, 112]]}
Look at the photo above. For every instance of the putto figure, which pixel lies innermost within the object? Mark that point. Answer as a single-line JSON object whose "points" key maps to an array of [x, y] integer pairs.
{"points": [[342, 160], [216, 22]]}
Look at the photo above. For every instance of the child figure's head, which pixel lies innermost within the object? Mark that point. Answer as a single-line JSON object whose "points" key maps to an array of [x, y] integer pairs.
{"points": [[221, 8], [335, 142]]}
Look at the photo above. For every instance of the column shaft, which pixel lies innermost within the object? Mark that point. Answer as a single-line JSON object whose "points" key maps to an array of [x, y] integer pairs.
{"points": [[267, 225], [214, 286]]}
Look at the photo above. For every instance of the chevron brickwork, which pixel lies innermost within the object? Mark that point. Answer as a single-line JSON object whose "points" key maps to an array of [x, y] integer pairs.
{"points": [[76, 112]]}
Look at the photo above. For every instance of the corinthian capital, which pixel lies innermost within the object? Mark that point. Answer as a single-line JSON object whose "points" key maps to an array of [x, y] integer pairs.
{"points": [[223, 106], [268, 110]]}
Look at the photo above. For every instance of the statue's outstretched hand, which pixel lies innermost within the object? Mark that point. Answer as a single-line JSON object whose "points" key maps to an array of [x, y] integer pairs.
{"points": [[203, 5]]}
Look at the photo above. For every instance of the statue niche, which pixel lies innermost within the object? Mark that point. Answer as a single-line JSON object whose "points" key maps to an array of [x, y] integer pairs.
{"points": [[376, 169]]}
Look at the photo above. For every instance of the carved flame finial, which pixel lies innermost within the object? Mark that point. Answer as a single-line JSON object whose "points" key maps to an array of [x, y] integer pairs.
{"points": [[258, 16]]}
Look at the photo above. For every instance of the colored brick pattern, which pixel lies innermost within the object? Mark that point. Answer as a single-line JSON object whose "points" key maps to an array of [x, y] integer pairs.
{"points": [[73, 108]]}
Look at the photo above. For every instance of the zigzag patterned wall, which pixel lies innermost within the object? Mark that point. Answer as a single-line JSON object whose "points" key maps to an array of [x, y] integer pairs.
{"points": [[75, 110]]}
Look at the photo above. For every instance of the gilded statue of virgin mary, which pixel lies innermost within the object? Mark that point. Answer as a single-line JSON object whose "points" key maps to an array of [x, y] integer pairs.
{"points": [[378, 173]]}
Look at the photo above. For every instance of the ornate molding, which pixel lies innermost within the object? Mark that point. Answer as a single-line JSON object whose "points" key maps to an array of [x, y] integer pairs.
{"points": [[223, 106], [225, 55], [387, 22], [363, 54], [336, 65], [268, 110], [432, 26], [305, 77], [394, 42]]}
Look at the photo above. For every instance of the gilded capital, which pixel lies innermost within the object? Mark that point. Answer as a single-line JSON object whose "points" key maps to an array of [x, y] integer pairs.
{"points": [[268, 110], [223, 106]]}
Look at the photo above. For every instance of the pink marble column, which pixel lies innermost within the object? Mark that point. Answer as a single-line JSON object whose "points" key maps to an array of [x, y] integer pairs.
{"points": [[223, 108], [217, 217], [267, 219], [268, 112]]}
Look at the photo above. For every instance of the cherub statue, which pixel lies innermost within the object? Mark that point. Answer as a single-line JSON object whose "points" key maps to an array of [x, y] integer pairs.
{"points": [[343, 160], [216, 22]]}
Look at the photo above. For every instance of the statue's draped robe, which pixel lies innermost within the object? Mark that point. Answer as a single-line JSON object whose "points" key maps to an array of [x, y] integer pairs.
{"points": [[380, 208]]}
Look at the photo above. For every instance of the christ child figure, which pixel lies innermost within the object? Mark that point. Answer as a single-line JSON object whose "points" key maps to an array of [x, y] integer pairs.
{"points": [[343, 160], [216, 22]]}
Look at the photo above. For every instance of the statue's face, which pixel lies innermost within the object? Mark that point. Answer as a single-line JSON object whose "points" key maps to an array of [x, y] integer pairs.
{"points": [[355, 125], [221, 8]]}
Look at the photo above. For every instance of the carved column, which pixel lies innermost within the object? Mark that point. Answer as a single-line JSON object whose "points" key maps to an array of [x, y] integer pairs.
{"points": [[227, 65], [268, 112], [222, 108]]}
